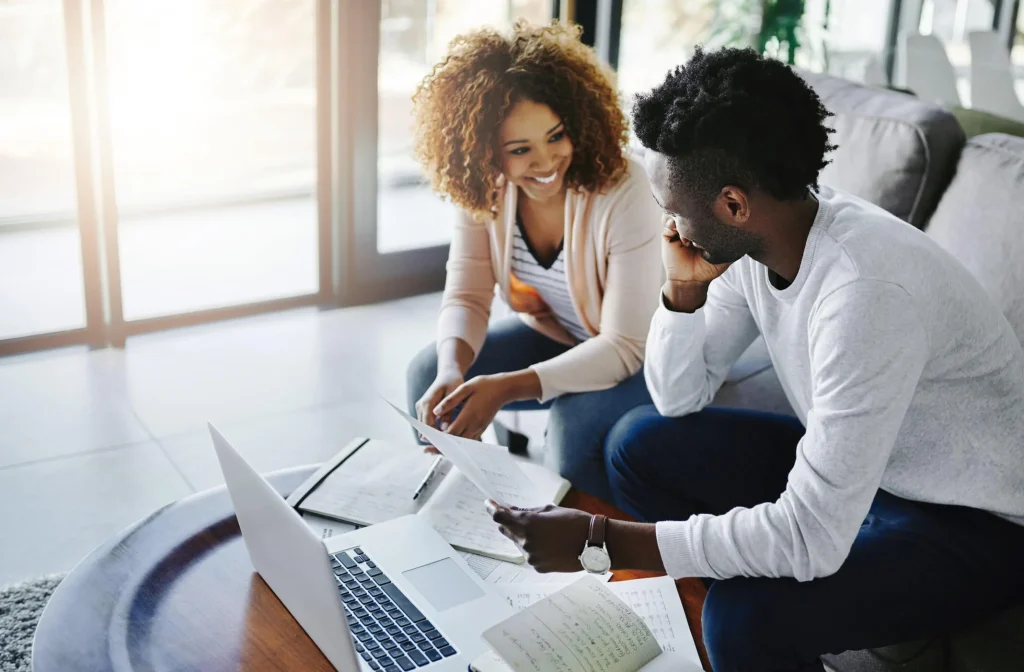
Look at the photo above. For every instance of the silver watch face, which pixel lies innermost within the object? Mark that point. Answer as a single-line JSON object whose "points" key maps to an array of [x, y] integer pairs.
{"points": [[595, 560]]}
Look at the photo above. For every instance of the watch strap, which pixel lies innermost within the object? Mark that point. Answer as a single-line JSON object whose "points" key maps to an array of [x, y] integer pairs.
{"points": [[598, 523]]}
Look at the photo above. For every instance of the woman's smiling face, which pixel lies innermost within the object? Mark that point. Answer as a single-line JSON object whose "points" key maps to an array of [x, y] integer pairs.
{"points": [[535, 150]]}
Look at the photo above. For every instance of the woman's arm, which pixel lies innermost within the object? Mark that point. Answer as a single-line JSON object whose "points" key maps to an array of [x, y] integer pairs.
{"points": [[468, 294], [631, 294]]}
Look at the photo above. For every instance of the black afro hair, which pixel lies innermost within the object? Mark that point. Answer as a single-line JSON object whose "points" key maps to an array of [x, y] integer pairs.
{"points": [[735, 117]]}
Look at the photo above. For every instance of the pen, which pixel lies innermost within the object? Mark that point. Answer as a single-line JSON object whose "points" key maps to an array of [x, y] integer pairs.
{"points": [[429, 477]]}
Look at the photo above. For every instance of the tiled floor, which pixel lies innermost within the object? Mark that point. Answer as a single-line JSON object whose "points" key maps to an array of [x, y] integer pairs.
{"points": [[91, 441]]}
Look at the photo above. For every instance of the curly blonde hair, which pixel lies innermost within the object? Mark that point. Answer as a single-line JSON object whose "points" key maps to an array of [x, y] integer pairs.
{"points": [[460, 106]]}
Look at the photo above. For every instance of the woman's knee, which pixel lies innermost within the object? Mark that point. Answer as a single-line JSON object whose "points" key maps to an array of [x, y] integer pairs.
{"points": [[421, 371]]}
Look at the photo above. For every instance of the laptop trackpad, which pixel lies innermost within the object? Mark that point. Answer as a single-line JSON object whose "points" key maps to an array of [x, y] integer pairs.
{"points": [[444, 584]]}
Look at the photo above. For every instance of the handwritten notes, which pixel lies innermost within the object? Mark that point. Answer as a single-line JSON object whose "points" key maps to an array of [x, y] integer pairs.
{"points": [[582, 628], [655, 601], [456, 511]]}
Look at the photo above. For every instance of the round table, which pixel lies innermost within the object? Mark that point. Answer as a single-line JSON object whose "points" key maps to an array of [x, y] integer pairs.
{"points": [[176, 591]]}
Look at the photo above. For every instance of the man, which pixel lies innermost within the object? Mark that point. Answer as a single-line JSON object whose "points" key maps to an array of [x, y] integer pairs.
{"points": [[892, 506]]}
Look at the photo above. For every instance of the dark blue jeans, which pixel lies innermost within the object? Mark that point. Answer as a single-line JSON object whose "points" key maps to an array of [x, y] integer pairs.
{"points": [[915, 569], [578, 424]]}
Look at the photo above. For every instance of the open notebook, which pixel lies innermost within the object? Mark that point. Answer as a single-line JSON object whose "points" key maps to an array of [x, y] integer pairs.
{"points": [[584, 627], [374, 481]]}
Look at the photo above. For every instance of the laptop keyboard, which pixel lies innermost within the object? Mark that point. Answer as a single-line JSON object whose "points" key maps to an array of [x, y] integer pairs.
{"points": [[389, 632]]}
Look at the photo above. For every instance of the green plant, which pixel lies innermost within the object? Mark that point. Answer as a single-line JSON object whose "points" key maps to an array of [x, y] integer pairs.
{"points": [[773, 27]]}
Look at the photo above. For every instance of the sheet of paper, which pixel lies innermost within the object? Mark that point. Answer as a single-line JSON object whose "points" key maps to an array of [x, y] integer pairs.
{"points": [[456, 510], [655, 600], [326, 528], [490, 468], [500, 572], [583, 627]]}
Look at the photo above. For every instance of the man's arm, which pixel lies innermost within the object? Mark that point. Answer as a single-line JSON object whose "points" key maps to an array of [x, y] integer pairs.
{"points": [[696, 336], [868, 349]]}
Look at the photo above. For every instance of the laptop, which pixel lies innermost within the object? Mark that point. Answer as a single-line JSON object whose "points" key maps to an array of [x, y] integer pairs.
{"points": [[392, 596]]}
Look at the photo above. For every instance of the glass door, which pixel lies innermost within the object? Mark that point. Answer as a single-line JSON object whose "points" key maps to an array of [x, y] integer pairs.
{"points": [[41, 266], [212, 112]]}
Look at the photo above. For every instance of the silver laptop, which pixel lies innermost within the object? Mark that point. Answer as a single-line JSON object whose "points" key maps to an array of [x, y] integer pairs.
{"points": [[393, 596]]}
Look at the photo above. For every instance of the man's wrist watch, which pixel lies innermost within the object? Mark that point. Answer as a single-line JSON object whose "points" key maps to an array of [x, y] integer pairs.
{"points": [[595, 558]]}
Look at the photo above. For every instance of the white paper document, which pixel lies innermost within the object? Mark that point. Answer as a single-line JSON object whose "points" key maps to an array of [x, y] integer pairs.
{"points": [[490, 468], [656, 601], [500, 572], [583, 627]]}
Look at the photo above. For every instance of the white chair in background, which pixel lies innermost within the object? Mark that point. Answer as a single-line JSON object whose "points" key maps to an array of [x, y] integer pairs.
{"points": [[926, 70], [992, 76]]}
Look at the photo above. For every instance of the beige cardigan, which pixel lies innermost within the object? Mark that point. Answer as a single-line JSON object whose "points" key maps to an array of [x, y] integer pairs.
{"points": [[613, 267]]}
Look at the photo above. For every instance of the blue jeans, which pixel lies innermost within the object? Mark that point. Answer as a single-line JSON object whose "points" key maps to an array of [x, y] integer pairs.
{"points": [[915, 569], [578, 422]]}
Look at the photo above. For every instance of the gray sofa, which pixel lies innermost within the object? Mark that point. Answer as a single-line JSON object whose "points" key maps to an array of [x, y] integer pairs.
{"points": [[911, 158]]}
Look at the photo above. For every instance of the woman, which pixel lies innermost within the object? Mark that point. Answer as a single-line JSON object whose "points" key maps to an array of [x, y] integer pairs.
{"points": [[524, 132]]}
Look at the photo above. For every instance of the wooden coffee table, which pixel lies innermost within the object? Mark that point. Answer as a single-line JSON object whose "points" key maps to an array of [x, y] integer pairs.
{"points": [[177, 592]]}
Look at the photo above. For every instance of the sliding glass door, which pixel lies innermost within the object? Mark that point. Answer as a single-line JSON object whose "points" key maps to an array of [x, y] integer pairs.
{"points": [[41, 285], [172, 162], [212, 111]]}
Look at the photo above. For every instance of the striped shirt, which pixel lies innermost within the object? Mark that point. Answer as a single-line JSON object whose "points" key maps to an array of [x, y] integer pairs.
{"points": [[549, 281]]}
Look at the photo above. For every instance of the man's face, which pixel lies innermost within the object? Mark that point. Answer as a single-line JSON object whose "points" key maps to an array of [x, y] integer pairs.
{"points": [[719, 241]]}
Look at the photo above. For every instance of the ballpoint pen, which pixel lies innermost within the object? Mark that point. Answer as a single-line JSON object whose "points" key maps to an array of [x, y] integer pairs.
{"points": [[429, 477]]}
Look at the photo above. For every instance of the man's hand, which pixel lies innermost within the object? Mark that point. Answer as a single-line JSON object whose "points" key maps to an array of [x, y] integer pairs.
{"points": [[684, 262], [551, 537], [688, 273]]}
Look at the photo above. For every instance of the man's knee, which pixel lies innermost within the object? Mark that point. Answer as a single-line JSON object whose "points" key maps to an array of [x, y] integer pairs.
{"points": [[748, 627], [631, 436]]}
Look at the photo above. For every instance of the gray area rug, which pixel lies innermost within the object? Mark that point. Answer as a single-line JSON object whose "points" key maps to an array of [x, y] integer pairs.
{"points": [[21, 605]]}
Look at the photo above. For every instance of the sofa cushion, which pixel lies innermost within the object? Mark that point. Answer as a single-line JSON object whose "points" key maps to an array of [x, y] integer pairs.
{"points": [[894, 150], [980, 219]]}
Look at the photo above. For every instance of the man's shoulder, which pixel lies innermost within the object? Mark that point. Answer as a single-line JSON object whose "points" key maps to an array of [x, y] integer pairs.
{"points": [[861, 241]]}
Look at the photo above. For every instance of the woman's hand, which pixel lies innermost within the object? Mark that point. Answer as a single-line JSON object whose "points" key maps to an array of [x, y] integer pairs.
{"points": [[446, 382], [481, 399]]}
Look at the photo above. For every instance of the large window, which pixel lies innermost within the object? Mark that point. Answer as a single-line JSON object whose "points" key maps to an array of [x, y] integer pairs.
{"points": [[951, 21], [1017, 52], [41, 287], [844, 37], [213, 118], [170, 162], [658, 35]]}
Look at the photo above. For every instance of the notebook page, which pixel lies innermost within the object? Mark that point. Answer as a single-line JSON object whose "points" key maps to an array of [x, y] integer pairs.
{"points": [[655, 600], [496, 473], [375, 485], [583, 627]]}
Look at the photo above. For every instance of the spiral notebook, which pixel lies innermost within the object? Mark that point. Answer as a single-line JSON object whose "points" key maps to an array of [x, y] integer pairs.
{"points": [[372, 481]]}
